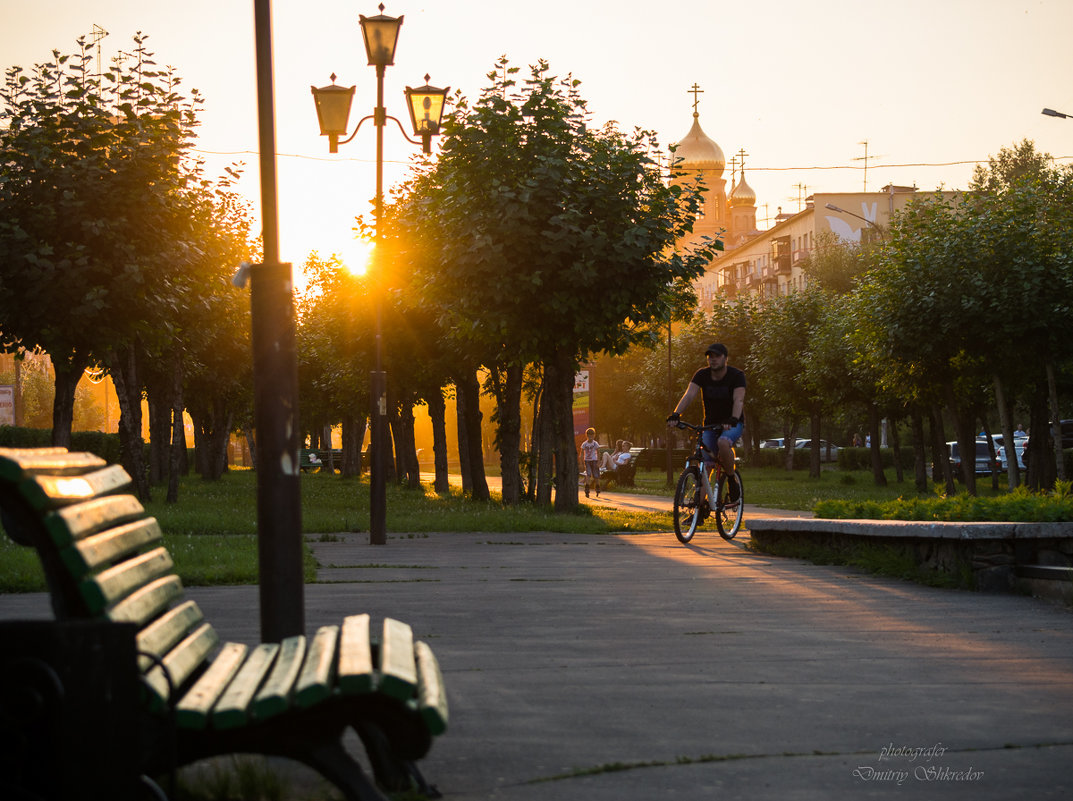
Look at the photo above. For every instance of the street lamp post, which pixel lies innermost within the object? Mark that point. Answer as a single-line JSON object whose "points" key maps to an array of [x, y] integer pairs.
{"points": [[275, 382], [426, 105]]}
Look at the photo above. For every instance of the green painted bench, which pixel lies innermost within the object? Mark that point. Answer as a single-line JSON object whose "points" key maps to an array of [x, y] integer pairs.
{"points": [[103, 560]]}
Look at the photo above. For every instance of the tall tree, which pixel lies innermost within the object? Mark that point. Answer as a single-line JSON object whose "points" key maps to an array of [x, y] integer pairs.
{"points": [[539, 238], [101, 215]]}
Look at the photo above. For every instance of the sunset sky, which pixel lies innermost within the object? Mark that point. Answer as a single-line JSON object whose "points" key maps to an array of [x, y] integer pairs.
{"points": [[932, 84]]}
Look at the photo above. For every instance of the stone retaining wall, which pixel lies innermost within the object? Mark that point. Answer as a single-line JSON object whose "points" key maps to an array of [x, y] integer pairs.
{"points": [[988, 552]]}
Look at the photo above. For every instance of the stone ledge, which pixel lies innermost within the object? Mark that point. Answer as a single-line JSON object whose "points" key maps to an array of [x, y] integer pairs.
{"points": [[913, 528], [988, 553]]}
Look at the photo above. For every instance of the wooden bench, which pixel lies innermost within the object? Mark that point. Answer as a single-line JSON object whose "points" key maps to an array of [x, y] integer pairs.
{"points": [[103, 561], [624, 474]]}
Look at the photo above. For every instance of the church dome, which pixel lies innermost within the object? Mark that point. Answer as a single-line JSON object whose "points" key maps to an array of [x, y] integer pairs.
{"points": [[698, 152], [743, 194]]}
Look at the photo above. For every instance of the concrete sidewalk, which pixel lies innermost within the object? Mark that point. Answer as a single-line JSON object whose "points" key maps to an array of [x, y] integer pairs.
{"points": [[602, 668]]}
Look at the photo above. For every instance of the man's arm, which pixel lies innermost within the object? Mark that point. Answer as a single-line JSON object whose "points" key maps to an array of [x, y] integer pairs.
{"points": [[738, 405], [690, 394]]}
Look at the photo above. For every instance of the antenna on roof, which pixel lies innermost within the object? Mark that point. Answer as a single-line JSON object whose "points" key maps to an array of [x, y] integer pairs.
{"points": [[865, 159]]}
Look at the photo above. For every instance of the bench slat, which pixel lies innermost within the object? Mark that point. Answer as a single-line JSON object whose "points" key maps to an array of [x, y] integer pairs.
{"points": [[46, 492], [275, 696], [318, 671], [181, 662], [431, 695], [161, 635], [106, 547], [398, 671], [83, 519], [356, 656], [144, 604], [17, 464], [192, 711], [111, 585], [233, 708]]}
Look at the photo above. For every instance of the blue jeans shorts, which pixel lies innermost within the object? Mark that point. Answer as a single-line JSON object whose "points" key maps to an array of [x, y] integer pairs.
{"points": [[711, 438]]}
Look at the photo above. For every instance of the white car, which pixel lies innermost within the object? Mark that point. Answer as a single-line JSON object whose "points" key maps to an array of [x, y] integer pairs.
{"points": [[825, 448], [1018, 448]]}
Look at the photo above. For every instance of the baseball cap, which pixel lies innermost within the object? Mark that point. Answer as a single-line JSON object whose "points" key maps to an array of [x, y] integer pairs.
{"points": [[716, 347]]}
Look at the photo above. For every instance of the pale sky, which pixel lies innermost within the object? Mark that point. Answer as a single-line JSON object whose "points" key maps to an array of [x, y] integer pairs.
{"points": [[936, 84]]}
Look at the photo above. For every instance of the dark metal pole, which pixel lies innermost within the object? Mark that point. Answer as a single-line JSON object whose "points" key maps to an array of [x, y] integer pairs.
{"points": [[275, 385], [378, 414], [670, 403]]}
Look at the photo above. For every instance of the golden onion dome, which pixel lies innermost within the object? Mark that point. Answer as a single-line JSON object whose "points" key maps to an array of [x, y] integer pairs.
{"points": [[698, 152], [743, 195]]}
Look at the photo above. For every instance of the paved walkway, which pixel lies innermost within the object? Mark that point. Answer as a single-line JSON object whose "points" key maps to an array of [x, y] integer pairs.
{"points": [[632, 668]]}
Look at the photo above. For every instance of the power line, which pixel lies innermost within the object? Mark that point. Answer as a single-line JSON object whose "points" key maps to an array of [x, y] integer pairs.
{"points": [[751, 168]]}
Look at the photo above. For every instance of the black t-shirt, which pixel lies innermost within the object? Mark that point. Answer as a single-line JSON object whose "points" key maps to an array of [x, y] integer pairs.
{"points": [[719, 394]]}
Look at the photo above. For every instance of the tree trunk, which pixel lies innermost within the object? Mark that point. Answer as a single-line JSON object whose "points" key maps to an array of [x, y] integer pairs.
{"points": [[920, 458], [406, 448], [353, 435], [877, 456], [966, 439], [941, 451], [158, 397], [437, 411], [469, 397], [559, 386], [790, 438], [68, 372], [1013, 470], [532, 463], [251, 443], [509, 399], [1038, 458], [814, 451], [178, 433], [212, 432], [896, 451], [326, 443], [128, 389], [544, 447], [1056, 423]]}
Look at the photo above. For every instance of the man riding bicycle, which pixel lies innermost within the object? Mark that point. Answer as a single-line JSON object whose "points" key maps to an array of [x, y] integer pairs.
{"points": [[723, 389]]}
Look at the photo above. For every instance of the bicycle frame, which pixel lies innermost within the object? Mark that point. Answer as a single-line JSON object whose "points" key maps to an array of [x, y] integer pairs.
{"points": [[697, 458]]}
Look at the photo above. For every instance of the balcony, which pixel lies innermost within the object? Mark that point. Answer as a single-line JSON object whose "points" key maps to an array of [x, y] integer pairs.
{"points": [[781, 265]]}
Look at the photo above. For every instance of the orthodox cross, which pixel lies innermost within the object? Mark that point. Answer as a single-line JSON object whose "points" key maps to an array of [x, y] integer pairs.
{"points": [[696, 91], [743, 154]]}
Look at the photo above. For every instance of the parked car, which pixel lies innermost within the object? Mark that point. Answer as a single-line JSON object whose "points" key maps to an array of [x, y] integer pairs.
{"points": [[828, 451], [984, 465], [1019, 443], [779, 442], [1067, 437]]}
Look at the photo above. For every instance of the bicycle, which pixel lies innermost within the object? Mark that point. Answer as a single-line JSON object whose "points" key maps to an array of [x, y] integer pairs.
{"points": [[691, 497]]}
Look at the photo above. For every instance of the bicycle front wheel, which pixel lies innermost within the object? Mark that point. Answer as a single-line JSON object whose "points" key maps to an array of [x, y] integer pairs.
{"points": [[730, 505], [688, 507]]}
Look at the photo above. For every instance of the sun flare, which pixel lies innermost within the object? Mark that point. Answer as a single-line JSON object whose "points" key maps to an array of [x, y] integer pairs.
{"points": [[355, 256]]}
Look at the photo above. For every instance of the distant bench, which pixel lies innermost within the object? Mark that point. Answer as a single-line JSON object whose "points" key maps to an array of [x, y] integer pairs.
{"points": [[103, 562]]}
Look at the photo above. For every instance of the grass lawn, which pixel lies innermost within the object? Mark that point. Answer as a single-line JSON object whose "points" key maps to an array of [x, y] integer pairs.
{"points": [[211, 532]]}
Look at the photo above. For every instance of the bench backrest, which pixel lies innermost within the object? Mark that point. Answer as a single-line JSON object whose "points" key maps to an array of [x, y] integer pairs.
{"points": [[103, 557]]}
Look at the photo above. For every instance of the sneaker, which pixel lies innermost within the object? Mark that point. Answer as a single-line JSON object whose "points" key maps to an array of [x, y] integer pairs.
{"points": [[734, 492]]}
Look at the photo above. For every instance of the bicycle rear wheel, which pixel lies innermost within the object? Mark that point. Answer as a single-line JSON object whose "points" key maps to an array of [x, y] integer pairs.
{"points": [[728, 513], [688, 508]]}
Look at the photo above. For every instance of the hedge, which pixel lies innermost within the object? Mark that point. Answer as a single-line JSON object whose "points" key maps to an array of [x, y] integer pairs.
{"points": [[104, 445]]}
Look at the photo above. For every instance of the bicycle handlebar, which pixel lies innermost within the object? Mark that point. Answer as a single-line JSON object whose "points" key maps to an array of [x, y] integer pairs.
{"points": [[698, 429]]}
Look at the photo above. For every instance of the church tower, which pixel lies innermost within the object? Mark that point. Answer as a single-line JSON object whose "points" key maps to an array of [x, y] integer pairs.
{"points": [[742, 213], [699, 157]]}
